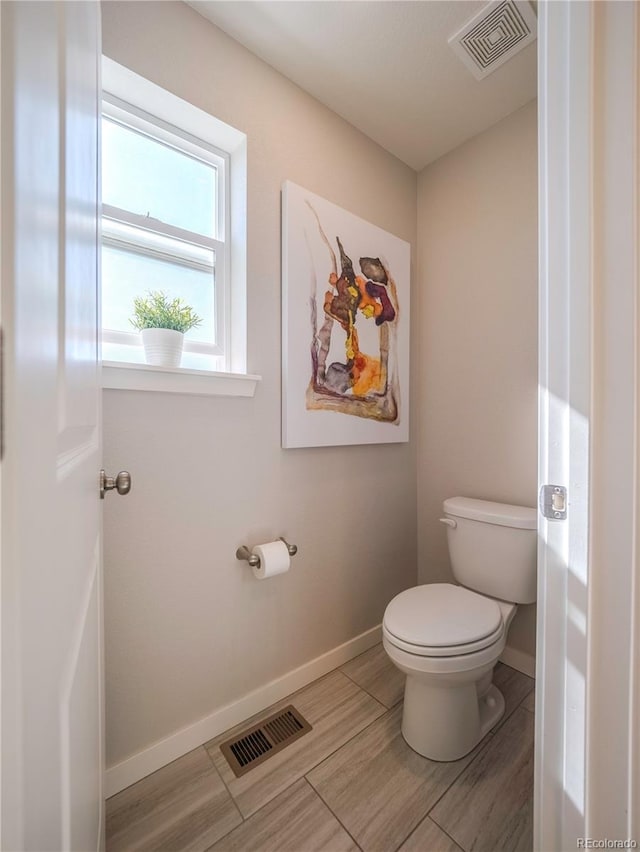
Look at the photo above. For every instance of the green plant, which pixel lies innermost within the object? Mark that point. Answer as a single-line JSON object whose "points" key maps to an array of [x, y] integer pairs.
{"points": [[155, 310]]}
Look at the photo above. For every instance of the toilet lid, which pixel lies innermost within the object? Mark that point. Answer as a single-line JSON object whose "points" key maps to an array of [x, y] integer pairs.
{"points": [[440, 615]]}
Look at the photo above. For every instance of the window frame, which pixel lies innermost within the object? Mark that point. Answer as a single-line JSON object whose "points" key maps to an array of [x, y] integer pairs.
{"points": [[140, 121], [133, 89]]}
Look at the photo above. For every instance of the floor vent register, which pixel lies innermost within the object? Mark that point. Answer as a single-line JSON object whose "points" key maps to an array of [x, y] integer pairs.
{"points": [[259, 743]]}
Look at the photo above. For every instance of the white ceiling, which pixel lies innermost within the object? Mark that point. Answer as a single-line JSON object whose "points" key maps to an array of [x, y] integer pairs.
{"points": [[383, 65]]}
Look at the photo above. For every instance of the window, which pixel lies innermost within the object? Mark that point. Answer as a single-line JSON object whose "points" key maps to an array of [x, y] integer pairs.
{"points": [[174, 194], [165, 210]]}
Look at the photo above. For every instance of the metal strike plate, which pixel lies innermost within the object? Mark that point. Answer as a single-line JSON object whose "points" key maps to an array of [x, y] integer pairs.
{"points": [[553, 502]]}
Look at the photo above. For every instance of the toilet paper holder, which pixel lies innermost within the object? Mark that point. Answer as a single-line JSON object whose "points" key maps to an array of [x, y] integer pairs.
{"points": [[243, 552]]}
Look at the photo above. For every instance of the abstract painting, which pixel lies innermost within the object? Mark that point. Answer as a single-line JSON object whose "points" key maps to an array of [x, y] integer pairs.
{"points": [[345, 326]]}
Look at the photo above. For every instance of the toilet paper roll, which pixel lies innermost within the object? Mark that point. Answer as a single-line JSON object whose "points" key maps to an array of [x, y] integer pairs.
{"points": [[274, 559]]}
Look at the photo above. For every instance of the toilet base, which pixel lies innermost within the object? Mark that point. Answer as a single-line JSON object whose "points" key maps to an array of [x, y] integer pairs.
{"points": [[445, 722]]}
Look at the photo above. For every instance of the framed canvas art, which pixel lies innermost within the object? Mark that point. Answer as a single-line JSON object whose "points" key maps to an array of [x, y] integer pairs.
{"points": [[345, 326]]}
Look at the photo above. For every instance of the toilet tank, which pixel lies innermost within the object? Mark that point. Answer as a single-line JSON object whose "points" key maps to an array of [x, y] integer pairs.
{"points": [[493, 547]]}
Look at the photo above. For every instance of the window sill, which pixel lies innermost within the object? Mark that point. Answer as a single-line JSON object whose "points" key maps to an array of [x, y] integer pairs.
{"points": [[118, 375]]}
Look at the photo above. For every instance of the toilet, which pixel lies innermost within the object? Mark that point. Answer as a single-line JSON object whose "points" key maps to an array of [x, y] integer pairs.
{"points": [[447, 637]]}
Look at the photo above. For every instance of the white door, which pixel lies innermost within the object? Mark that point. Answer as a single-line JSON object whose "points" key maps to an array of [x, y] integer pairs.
{"points": [[52, 727], [588, 665]]}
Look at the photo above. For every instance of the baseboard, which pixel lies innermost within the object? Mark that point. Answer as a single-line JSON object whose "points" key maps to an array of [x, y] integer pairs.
{"points": [[154, 757], [520, 660]]}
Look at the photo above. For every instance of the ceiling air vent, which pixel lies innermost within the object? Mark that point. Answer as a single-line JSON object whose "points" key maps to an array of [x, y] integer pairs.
{"points": [[494, 35]]}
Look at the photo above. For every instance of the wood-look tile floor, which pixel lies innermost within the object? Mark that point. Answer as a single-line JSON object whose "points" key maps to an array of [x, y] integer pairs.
{"points": [[351, 783]]}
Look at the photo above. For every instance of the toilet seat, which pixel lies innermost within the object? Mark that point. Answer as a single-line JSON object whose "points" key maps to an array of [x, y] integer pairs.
{"points": [[442, 620]]}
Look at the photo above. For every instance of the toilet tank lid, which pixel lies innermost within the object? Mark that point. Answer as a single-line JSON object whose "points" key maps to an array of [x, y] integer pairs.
{"points": [[521, 517]]}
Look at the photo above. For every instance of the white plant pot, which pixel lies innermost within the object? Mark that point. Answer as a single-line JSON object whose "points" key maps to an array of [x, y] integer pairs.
{"points": [[162, 346]]}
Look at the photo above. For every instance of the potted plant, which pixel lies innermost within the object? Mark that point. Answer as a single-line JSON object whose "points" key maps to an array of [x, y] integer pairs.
{"points": [[162, 324]]}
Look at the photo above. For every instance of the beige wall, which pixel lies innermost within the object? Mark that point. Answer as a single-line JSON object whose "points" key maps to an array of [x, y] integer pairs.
{"points": [[188, 629], [476, 351]]}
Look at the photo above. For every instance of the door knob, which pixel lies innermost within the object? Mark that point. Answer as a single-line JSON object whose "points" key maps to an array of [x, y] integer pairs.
{"points": [[122, 483]]}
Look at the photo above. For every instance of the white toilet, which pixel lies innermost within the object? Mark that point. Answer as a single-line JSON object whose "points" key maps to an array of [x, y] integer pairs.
{"points": [[447, 638]]}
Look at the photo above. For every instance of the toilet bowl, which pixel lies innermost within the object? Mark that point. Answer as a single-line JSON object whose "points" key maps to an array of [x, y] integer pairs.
{"points": [[447, 638]]}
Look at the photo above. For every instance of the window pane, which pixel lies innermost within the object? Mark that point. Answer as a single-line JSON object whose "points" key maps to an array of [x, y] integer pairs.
{"points": [[127, 274], [143, 176]]}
